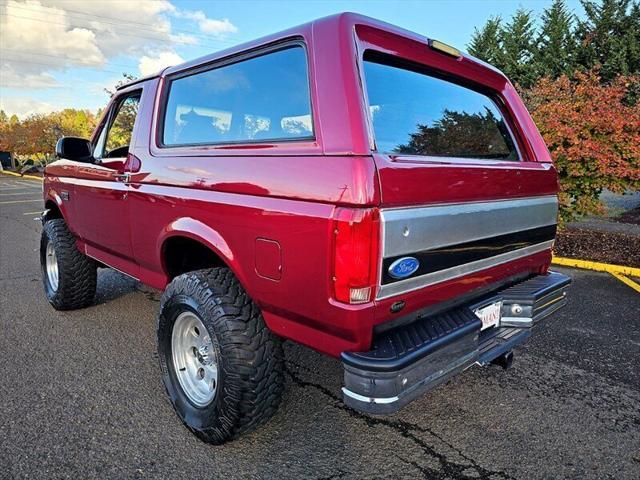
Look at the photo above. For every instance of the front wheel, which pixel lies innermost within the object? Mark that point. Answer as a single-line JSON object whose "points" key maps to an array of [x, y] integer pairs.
{"points": [[69, 277], [221, 365]]}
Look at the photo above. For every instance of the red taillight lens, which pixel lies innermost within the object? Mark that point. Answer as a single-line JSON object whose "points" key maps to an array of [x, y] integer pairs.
{"points": [[355, 268]]}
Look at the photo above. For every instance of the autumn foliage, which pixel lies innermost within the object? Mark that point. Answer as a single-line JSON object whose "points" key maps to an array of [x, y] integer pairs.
{"points": [[593, 133], [39, 133]]}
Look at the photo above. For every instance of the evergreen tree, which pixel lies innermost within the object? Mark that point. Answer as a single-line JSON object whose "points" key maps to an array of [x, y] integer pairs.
{"points": [[517, 58], [556, 43], [609, 37], [485, 43], [633, 38]]}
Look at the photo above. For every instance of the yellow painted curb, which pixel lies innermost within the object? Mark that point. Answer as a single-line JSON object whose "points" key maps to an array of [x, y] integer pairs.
{"points": [[627, 281], [597, 266], [14, 174]]}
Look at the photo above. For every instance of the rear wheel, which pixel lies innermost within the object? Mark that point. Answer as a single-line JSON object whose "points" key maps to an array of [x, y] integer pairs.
{"points": [[68, 276], [221, 365]]}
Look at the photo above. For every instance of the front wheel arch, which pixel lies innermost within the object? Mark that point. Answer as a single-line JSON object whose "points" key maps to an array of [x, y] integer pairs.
{"points": [[52, 211]]}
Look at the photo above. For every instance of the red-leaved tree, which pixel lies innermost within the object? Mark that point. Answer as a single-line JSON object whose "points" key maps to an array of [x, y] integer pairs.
{"points": [[593, 133]]}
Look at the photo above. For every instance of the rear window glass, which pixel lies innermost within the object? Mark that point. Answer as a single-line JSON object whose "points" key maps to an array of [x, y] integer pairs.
{"points": [[417, 114], [261, 99]]}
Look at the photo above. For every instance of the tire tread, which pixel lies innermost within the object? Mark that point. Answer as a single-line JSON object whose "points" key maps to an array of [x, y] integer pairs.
{"points": [[77, 273], [252, 353]]}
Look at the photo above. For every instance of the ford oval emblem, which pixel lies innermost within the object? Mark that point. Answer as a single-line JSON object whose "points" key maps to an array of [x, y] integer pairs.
{"points": [[404, 267]]}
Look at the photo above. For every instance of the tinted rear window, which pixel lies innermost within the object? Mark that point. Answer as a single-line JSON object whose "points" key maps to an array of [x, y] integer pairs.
{"points": [[414, 113], [259, 99]]}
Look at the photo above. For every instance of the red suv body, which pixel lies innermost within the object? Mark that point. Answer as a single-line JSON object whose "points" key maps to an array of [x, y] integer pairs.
{"points": [[342, 238]]}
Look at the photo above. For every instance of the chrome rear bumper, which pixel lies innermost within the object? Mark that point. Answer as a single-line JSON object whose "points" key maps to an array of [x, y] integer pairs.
{"points": [[408, 361]]}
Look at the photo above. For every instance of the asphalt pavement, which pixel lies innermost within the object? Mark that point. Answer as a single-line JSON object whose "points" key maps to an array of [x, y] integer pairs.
{"points": [[81, 396]]}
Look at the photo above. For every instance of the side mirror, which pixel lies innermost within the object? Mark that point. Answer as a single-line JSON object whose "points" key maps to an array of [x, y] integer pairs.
{"points": [[74, 148]]}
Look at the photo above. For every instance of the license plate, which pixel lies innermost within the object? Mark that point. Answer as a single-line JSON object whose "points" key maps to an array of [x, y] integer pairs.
{"points": [[489, 314]]}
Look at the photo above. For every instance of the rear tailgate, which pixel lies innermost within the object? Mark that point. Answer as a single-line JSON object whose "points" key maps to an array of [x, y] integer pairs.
{"points": [[472, 228], [468, 192]]}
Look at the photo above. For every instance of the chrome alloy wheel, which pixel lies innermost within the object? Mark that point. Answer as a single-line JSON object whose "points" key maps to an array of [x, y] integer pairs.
{"points": [[194, 360], [51, 265]]}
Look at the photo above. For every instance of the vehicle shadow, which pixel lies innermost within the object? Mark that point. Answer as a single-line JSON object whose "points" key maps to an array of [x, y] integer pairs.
{"points": [[113, 284]]}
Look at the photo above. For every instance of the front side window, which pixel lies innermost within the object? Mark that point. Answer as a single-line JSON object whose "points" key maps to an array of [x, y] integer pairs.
{"points": [[417, 114], [115, 138], [259, 99]]}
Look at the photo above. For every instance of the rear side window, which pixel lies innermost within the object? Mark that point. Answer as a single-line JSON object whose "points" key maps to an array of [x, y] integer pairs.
{"points": [[414, 113], [260, 99]]}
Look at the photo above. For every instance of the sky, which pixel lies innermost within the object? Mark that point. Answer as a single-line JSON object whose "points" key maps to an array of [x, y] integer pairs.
{"points": [[57, 54]]}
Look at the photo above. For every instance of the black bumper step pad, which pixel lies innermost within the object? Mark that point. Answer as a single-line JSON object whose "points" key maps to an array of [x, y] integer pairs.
{"points": [[397, 348]]}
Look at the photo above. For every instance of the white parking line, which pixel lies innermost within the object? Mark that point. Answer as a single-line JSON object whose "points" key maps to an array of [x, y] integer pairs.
{"points": [[15, 186], [15, 193], [27, 184], [21, 201], [20, 182]]}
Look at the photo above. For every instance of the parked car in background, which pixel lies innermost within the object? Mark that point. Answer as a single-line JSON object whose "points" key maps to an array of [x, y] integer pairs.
{"points": [[373, 194]]}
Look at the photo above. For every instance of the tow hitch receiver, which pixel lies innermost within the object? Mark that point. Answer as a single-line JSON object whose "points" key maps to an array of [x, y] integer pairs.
{"points": [[505, 360]]}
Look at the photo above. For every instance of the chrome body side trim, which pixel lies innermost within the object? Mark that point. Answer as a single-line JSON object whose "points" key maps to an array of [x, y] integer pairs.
{"points": [[415, 283], [406, 231], [409, 230]]}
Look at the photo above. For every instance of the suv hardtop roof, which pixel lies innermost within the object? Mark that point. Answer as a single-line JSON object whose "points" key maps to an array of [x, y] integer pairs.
{"points": [[345, 21]]}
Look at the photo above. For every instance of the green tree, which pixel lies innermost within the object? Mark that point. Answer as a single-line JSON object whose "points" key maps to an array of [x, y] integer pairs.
{"points": [[556, 42], [3, 117], [609, 36], [517, 58], [126, 78], [486, 43]]}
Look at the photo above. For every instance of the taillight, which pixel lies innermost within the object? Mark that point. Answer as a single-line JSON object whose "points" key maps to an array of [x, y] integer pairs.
{"points": [[356, 245]]}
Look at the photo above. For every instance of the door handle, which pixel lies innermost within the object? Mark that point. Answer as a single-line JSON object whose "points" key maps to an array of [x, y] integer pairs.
{"points": [[122, 177]]}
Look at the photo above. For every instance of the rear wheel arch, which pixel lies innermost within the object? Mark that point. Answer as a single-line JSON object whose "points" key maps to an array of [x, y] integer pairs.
{"points": [[189, 245], [182, 253]]}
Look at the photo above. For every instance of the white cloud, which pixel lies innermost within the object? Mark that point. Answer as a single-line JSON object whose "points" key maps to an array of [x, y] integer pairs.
{"points": [[10, 78], [40, 37], [32, 43], [149, 65], [218, 28], [24, 106]]}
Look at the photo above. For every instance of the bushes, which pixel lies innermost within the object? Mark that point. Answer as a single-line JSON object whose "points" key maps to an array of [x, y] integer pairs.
{"points": [[593, 133]]}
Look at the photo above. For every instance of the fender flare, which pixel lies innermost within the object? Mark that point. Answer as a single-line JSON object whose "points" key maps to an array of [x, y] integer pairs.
{"points": [[201, 232], [52, 196]]}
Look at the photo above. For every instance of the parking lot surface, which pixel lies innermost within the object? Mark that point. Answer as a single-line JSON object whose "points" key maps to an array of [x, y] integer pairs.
{"points": [[81, 395]]}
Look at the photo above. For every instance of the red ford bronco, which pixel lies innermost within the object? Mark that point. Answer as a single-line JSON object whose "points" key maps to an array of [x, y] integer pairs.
{"points": [[371, 193]]}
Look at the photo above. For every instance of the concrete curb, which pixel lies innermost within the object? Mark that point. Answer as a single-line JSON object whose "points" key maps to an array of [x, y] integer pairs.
{"points": [[618, 271], [28, 177]]}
